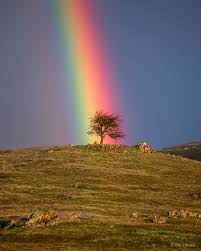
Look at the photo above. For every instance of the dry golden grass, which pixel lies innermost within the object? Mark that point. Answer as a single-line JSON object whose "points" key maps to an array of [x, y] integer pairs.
{"points": [[118, 189]]}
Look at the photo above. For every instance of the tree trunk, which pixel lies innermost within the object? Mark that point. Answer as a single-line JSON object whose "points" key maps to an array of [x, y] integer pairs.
{"points": [[101, 141], [101, 135]]}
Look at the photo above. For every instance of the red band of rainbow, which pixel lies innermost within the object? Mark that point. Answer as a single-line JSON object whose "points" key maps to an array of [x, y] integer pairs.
{"points": [[90, 78]]}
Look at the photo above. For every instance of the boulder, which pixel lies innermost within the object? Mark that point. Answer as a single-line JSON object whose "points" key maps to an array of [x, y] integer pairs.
{"points": [[145, 148]]}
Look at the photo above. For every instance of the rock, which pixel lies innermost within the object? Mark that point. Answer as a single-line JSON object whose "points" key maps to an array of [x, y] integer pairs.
{"points": [[45, 218], [55, 218], [195, 215], [50, 151], [77, 186], [4, 223], [15, 223], [191, 214], [74, 218], [196, 196], [173, 214], [145, 148], [159, 219], [134, 215], [11, 223], [41, 218], [183, 213]]}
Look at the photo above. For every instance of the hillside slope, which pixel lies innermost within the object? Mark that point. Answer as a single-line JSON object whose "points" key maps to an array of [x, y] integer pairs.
{"points": [[190, 150], [98, 198]]}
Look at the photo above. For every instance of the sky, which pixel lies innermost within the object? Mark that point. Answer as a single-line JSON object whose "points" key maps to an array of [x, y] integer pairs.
{"points": [[154, 51]]}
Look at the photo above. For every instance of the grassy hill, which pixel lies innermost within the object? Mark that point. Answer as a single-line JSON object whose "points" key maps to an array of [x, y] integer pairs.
{"points": [[98, 198], [191, 150]]}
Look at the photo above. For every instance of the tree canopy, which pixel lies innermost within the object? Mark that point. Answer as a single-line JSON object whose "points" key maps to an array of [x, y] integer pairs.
{"points": [[105, 124]]}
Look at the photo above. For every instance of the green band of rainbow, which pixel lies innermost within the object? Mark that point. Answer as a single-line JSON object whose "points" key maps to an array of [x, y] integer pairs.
{"points": [[87, 76]]}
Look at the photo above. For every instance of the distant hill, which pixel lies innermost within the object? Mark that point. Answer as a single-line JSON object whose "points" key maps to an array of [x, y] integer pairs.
{"points": [[190, 150]]}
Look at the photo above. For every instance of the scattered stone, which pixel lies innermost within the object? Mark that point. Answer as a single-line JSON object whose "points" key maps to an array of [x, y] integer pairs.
{"points": [[183, 213], [173, 214], [12, 223], [16, 223], [104, 147], [4, 223], [195, 215], [41, 218], [77, 185], [145, 148], [55, 218], [196, 196], [134, 215], [159, 219]]}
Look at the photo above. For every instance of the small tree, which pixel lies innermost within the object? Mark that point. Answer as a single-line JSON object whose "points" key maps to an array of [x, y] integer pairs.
{"points": [[105, 124]]}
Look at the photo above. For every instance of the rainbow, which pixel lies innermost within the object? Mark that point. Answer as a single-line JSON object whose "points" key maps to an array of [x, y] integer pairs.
{"points": [[88, 76]]}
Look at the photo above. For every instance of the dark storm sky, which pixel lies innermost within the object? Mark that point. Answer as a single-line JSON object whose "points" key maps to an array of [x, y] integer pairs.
{"points": [[155, 51]]}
